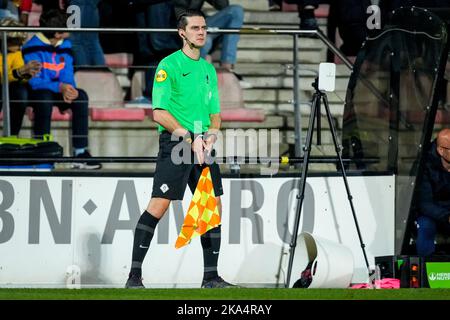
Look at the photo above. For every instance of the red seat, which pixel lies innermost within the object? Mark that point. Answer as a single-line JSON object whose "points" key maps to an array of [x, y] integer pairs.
{"points": [[232, 100], [119, 60], [117, 114], [230, 91], [149, 113], [102, 87], [288, 7], [322, 11], [442, 117], [56, 114], [242, 114], [105, 97]]}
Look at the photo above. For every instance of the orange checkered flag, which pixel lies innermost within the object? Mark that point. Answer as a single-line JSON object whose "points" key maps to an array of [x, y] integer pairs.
{"points": [[203, 213]]}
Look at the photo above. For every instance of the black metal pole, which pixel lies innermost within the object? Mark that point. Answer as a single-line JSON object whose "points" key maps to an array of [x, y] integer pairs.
{"points": [[344, 176], [5, 87], [296, 95], [301, 195], [5, 159]]}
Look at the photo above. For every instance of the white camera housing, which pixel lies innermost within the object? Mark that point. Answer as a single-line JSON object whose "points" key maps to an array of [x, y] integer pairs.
{"points": [[327, 77]]}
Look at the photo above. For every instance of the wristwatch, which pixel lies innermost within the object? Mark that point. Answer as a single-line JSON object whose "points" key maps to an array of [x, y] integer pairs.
{"points": [[207, 135]]}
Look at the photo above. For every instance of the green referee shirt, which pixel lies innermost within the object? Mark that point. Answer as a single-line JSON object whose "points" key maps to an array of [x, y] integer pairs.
{"points": [[187, 89]]}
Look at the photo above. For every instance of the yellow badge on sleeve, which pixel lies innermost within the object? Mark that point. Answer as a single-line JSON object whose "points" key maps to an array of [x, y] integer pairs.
{"points": [[161, 76]]}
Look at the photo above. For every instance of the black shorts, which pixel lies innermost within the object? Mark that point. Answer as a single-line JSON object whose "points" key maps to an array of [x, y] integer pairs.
{"points": [[171, 179]]}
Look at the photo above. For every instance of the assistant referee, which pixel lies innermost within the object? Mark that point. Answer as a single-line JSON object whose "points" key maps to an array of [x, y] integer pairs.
{"points": [[186, 106]]}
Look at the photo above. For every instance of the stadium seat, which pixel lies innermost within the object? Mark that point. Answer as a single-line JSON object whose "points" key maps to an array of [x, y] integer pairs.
{"points": [[102, 87], [119, 60], [418, 117], [322, 11], [230, 91], [242, 114], [288, 7], [232, 100], [105, 97], [149, 113], [117, 114], [442, 117], [56, 114]]}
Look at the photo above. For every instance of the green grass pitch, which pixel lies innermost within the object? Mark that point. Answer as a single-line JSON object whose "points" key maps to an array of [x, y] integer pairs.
{"points": [[224, 294]]}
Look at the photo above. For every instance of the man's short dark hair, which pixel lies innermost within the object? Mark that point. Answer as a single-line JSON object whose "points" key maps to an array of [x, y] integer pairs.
{"points": [[182, 18], [53, 18]]}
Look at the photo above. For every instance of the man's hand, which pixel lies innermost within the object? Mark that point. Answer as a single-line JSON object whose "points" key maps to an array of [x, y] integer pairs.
{"points": [[31, 69], [69, 92], [198, 148], [209, 143]]}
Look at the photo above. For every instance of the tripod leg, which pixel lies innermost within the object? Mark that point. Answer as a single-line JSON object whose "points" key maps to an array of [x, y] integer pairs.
{"points": [[344, 176], [319, 125], [301, 196]]}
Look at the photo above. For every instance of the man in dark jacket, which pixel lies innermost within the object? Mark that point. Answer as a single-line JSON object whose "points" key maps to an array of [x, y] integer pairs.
{"points": [[394, 4], [227, 17], [388, 5], [51, 4], [306, 13], [434, 195]]}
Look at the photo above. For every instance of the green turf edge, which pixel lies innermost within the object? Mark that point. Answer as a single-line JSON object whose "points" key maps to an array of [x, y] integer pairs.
{"points": [[224, 294]]}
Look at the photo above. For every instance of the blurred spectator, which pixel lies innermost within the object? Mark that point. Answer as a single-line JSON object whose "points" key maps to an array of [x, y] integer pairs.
{"points": [[86, 47], [25, 9], [388, 5], [306, 13], [18, 75], [350, 19], [9, 9], [434, 195], [51, 4], [153, 47], [16, 9], [117, 14], [227, 17], [55, 84]]}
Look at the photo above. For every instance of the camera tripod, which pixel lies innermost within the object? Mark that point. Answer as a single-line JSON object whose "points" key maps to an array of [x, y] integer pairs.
{"points": [[318, 97]]}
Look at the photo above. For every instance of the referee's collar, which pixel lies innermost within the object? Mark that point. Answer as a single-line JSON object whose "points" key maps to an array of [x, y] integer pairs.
{"points": [[189, 58]]}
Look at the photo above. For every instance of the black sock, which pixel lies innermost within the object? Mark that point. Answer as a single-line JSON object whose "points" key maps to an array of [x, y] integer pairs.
{"points": [[211, 246], [143, 235]]}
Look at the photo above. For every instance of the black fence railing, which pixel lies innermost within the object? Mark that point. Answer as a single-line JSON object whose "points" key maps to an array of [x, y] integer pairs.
{"points": [[295, 33]]}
